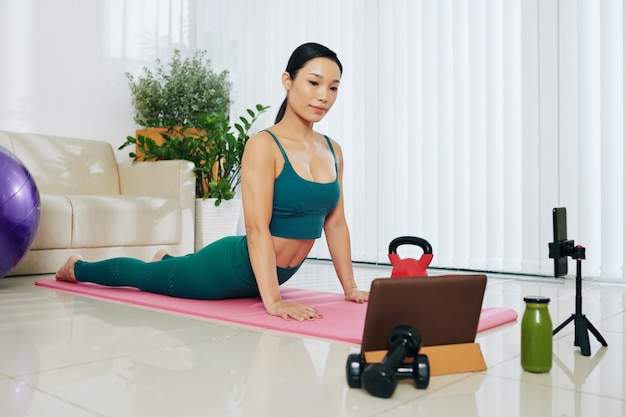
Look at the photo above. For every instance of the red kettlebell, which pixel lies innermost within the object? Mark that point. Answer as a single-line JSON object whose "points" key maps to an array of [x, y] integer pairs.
{"points": [[410, 267]]}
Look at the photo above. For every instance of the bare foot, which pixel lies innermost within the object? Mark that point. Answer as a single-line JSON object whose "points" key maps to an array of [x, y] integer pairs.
{"points": [[158, 256], [66, 272]]}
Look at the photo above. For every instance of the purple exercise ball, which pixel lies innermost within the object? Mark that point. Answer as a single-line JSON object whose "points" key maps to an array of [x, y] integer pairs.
{"points": [[20, 211]]}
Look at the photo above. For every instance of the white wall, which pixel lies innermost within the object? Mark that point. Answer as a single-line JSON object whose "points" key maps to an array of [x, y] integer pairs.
{"points": [[58, 73], [63, 62]]}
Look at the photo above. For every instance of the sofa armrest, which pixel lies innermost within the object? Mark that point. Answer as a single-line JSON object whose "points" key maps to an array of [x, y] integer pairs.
{"points": [[165, 179]]}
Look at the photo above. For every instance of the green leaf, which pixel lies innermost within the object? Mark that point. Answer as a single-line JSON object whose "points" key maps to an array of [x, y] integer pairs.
{"points": [[211, 144]]}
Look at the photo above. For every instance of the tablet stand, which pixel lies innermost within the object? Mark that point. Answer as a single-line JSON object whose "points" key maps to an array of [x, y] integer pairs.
{"points": [[581, 324]]}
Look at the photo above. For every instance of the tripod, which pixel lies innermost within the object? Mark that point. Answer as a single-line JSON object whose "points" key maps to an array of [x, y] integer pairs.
{"points": [[581, 324]]}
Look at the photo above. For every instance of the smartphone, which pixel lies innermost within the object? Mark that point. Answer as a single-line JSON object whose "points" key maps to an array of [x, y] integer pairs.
{"points": [[559, 224]]}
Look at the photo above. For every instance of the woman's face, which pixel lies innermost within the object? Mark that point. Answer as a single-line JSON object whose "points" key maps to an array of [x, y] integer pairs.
{"points": [[314, 90]]}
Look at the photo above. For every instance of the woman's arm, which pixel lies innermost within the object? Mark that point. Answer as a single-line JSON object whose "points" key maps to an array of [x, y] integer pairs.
{"points": [[338, 240], [257, 184]]}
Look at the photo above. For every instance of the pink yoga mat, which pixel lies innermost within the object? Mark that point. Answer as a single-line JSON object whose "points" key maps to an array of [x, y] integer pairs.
{"points": [[343, 320]]}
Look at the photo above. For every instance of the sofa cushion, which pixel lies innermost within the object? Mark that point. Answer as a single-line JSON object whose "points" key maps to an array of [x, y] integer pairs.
{"points": [[55, 227], [65, 165], [90, 221], [124, 221]]}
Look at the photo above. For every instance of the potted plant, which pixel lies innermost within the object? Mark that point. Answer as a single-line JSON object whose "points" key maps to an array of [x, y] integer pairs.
{"points": [[177, 93], [172, 96], [216, 149]]}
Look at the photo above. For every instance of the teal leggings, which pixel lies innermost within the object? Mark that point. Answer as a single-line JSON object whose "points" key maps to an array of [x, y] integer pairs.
{"points": [[217, 271]]}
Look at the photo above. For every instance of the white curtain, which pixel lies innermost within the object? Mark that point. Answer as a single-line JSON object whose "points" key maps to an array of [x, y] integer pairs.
{"points": [[461, 122]]}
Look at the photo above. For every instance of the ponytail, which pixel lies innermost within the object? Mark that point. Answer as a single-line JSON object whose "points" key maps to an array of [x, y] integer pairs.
{"points": [[281, 111]]}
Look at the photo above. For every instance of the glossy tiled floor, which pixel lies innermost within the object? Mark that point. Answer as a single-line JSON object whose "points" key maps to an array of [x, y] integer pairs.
{"points": [[67, 355]]}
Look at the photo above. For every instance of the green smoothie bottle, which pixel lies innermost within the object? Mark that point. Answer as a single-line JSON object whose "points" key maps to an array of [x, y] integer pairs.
{"points": [[536, 335]]}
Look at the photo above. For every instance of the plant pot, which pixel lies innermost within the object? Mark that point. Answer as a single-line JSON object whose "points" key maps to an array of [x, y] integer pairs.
{"points": [[214, 223], [156, 134]]}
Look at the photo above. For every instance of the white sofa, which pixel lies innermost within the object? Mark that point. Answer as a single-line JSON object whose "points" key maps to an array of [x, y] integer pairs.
{"points": [[95, 206]]}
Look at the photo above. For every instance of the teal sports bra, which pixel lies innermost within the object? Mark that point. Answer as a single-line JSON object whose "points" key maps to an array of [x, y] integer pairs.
{"points": [[300, 206]]}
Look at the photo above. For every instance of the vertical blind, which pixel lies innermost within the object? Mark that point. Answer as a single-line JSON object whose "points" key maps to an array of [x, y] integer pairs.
{"points": [[461, 122]]}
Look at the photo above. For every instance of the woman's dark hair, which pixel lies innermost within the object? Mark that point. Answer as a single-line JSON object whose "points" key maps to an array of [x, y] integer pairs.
{"points": [[300, 56]]}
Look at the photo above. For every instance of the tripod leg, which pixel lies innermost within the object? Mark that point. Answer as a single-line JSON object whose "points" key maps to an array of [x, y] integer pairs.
{"points": [[596, 333], [565, 323], [581, 337]]}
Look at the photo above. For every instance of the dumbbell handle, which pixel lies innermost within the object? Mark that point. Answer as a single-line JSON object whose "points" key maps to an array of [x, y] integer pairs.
{"points": [[409, 369], [396, 355], [406, 370]]}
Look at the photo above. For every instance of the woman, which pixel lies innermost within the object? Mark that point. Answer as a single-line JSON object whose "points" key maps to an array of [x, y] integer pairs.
{"points": [[291, 190]]}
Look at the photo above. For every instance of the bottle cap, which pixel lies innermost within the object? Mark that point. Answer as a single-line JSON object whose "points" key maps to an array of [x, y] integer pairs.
{"points": [[539, 299]]}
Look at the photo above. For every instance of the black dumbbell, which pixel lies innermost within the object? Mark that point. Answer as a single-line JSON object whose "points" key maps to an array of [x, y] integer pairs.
{"points": [[354, 369], [379, 379], [418, 370]]}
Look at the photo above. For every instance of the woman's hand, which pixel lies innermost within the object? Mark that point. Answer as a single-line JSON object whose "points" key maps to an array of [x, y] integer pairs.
{"points": [[358, 296], [295, 311]]}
